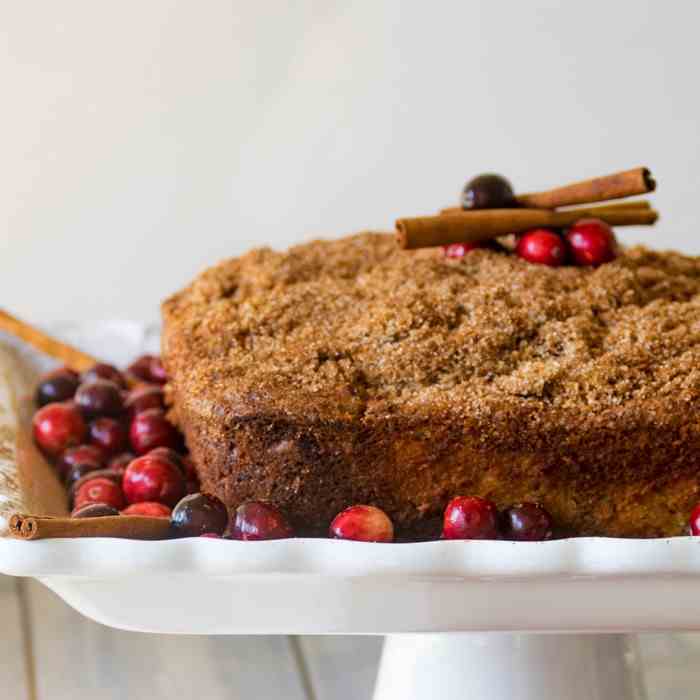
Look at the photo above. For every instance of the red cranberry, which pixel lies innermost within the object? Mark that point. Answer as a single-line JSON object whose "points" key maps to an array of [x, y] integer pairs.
{"points": [[152, 429], [458, 250], [168, 453], [526, 522], [99, 398], [141, 398], [120, 462], [255, 520], [99, 490], [211, 535], [94, 510], [57, 426], [104, 371], [141, 368], [362, 523], [157, 371], [91, 455], [470, 518], [542, 246], [59, 385], [149, 509], [695, 520], [592, 242], [153, 479], [109, 434], [488, 191], [90, 474], [197, 514]]}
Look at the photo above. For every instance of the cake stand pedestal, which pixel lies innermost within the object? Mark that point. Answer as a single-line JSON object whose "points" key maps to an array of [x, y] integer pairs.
{"points": [[502, 666]]}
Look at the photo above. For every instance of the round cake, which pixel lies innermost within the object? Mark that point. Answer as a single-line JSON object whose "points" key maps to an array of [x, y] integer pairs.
{"points": [[350, 371]]}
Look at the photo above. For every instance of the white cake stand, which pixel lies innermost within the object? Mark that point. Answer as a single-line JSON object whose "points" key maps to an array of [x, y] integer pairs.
{"points": [[463, 619]]}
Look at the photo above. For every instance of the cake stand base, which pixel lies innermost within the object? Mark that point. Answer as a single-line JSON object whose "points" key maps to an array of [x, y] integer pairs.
{"points": [[503, 666]]}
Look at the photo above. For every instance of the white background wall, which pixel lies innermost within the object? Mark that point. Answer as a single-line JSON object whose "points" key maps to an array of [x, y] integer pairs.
{"points": [[141, 141]]}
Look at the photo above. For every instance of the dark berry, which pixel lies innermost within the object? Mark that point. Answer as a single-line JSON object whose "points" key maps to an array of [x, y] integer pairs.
{"points": [[82, 454], [542, 246], [140, 368], [104, 371], [100, 397], [59, 385], [94, 510], [362, 523], [141, 398], [197, 514], [152, 429], [526, 522], [157, 371], [259, 521], [109, 434], [120, 462], [175, 457], [77, 472], [592, 242], [153, 479], [488, 191], [149, 509], [470, 518], [58, 426]]}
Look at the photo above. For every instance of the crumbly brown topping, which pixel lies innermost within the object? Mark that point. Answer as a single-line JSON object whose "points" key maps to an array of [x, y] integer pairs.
{"points": [[356, 327]]}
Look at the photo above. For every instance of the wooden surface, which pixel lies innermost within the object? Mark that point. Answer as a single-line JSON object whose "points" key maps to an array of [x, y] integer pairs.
{"points": [[50, 652]]}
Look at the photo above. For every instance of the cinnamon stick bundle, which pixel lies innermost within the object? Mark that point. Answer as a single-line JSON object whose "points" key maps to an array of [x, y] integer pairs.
{"points": [[480, 225], [135, 527]]}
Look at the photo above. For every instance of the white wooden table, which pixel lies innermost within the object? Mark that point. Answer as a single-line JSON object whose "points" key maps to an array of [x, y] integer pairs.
{"points": [[50, 652]]}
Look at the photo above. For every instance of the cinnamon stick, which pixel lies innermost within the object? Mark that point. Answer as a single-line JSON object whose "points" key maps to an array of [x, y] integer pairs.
{"points": [[599, 189], [615, 206], [484, 224], [69, 355], [134, 527]]}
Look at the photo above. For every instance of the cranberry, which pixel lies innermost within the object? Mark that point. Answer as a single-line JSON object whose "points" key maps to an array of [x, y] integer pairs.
{"points": [[168, 453], [526, 522], [149, 509], [255, 520], [109, 434], [120, 462], [488, 191], [592, 242], [94, 510], [57, 426], [141, 398], [59, 385], [458, 250], [91, 455], [157, 371], [153, 479], [695, 520], [362, 523], [152, 429], [99, 398], [88, 475], [470, 518], [542, 246], [141, 368], [99, 490], [211, 535], [104, 371], [197, 514]]}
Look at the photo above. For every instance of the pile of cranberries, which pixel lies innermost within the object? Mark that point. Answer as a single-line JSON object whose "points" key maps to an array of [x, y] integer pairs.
{"points": [[589, 242]]}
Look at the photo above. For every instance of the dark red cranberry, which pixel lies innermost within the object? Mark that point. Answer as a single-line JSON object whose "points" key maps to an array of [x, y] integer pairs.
{"points": [[526, 522], [149, 509], [90, 474], [91, 455], [99, 490], [362, 523], [457, 251], [259, 521], [198, 513], [58, 426], [120, 462], [168, 453], [104, 371], [153, 479], [141, 368], [77, 472], [470, 518], [592, 242], [157, 371], [542, 246], [152, 429], [94, 510], [695, 521], [109, 434], [59, 385], [99, 398], [141, 398], [488, 191]]}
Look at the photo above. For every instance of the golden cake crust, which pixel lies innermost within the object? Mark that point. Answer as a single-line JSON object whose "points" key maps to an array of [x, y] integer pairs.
{"points": [[351, 371]]}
